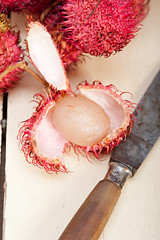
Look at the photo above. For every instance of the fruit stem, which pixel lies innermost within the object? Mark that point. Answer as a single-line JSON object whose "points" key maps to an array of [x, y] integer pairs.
{"points": [[36, 76], [23, 65]]}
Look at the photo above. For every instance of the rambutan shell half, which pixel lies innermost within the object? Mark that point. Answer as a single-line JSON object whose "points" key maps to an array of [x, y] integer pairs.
{"points": [[39, 141], [45, 57]]}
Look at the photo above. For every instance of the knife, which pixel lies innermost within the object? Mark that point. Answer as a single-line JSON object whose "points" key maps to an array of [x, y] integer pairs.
{"points": [[92, 216]]}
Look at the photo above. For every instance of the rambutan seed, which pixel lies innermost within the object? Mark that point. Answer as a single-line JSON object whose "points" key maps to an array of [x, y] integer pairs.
{"points": [[80, 120]]}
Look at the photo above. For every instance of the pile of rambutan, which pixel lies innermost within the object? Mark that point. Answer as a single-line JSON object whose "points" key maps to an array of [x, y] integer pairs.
{"points": [[99, 28], [95, 117]]}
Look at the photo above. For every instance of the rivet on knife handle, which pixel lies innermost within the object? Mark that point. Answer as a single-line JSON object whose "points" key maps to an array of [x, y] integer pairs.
{"points": [[89, 221]]}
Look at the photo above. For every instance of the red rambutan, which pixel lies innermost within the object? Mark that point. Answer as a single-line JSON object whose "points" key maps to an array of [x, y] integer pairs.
{"points": [[102, 27], [10, 55]]}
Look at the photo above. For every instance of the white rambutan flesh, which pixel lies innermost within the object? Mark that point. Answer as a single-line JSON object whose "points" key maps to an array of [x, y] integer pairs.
{"points": [[80, 120]]}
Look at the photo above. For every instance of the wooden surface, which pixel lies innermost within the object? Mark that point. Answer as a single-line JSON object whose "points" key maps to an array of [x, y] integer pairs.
{"points": [[39, 205]]}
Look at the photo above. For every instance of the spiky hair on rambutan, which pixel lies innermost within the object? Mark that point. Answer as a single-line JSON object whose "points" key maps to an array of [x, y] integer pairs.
{"points": [[11, 55], [92, 119], [102, 28], [53, 21]]}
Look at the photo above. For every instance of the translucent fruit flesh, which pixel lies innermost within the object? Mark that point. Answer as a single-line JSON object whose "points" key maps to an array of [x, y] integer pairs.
{"points": [[80, 120]]}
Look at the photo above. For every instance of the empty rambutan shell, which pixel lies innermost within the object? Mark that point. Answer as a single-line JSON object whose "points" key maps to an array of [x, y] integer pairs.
{"points": [[93, 119], [10, 54], [102, 28]]}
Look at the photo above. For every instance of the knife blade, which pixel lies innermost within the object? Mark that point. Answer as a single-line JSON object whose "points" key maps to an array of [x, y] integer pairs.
{"points": [[146, 131], [92, 216]]}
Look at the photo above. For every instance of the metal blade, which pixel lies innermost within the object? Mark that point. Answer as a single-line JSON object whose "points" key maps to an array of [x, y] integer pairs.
{"points": [[145, 132]]}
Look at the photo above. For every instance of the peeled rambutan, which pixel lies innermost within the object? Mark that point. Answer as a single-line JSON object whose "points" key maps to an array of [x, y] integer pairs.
{"points": [[102, 27], [53, 21], [92, 119], [10, 55]]}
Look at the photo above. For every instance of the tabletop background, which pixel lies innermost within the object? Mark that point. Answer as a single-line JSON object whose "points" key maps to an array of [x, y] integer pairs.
{"points": [[38, 205]]}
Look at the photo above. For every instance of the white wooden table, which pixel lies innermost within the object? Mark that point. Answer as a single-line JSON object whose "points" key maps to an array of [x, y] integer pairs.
{"points": [[39, 205]]}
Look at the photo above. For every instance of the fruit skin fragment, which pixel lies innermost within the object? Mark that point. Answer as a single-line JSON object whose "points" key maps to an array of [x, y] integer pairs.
{"points": [[40, 44]]}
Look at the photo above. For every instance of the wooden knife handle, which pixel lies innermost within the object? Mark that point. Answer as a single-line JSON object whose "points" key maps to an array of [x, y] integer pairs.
{"points": [[90, 219]]}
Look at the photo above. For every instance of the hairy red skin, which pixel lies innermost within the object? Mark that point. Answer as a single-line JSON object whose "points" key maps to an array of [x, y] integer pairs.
{"points": [[10, 54], [34, 6], [26, 132], [105, 28], [69, 54]]}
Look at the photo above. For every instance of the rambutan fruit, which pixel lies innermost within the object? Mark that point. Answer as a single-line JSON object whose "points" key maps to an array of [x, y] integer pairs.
{"points": [[92, 119], [53, 21], [10, 55], [102, 28]]}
